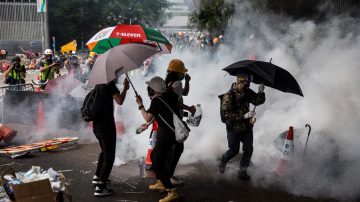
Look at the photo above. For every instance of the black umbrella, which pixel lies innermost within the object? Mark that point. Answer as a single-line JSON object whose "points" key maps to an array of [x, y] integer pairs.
{"points": [[267, 73]]}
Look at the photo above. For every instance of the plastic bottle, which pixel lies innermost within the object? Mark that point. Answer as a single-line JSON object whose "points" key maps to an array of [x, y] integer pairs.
{"points": [[194, 119], [141, 167], [140, 129]]}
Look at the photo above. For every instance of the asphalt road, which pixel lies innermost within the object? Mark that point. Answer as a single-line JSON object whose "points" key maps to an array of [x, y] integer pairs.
{"points": [[202, 182]]}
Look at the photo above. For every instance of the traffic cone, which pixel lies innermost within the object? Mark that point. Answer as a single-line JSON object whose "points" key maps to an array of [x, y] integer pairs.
{"points": [[287, 153], [40, 118], [7, 133], [152, 141], [37, 87]]}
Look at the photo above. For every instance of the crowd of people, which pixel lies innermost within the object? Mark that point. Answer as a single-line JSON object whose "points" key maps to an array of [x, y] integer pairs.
{"points": [[48, 66], [196, 41], [166, 96]]}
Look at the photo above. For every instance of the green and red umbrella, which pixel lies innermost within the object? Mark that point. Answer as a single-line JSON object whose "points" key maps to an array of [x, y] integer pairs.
{"points": [[123, 34]]}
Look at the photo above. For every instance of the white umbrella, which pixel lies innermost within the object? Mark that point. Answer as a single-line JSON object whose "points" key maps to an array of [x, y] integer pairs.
{"points": [[124, 57]]}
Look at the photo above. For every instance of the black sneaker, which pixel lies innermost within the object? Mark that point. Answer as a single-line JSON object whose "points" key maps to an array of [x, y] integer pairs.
{"points": [[244, 176], [222, 166], [96, 181], [176, 181], [103, 192]]}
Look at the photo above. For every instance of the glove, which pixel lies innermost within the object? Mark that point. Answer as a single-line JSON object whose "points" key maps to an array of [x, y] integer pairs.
{"points": [[261, 88], [250, 114], [187, 77]]}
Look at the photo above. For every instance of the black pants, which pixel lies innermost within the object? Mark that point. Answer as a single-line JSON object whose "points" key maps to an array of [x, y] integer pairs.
{"points": [[234, 140], [158, 157], [107, 155], [175, 157]]}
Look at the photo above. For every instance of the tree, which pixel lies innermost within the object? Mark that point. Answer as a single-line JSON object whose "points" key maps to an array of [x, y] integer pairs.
{"points": [[81, 19], [212, 15]]}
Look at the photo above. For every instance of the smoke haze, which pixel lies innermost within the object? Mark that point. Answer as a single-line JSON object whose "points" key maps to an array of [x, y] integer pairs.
{"points": [[324, 58]]}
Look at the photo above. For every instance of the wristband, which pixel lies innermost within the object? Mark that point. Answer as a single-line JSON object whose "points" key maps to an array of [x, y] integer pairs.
{"points": [[141, 106]]}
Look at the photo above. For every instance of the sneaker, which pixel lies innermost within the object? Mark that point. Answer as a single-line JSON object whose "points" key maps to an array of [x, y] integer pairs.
{"points": [[171, 196], [158, 186], [96, 181], [103, 192], [244, 176], [222, 166], [176, 181]]}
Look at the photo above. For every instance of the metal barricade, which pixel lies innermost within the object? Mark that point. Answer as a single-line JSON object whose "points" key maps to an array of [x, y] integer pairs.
{"points": [[18, 87]]}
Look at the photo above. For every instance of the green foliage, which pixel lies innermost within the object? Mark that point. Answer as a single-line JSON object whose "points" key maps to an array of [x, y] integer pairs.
{"points": [[81, 19], [212, 15]]}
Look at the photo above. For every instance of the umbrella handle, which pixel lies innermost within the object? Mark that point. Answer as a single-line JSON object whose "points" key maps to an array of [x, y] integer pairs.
{"points": [[307, 139], [127, 76]]}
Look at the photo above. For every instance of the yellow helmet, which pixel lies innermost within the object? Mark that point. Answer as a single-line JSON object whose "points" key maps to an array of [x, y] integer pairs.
{"points": [[216, 40], [177, 65], [92, 54]]}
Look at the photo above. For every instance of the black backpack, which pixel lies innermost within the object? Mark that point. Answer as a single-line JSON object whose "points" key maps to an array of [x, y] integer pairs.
{"points": [[89, 108], [233, 99]]}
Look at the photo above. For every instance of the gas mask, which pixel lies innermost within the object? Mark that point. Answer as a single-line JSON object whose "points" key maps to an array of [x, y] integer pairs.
{"points": [[48, 58]]}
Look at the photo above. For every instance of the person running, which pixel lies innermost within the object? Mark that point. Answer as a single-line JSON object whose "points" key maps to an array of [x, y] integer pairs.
{"points": [[159, 109], [239, 122]]}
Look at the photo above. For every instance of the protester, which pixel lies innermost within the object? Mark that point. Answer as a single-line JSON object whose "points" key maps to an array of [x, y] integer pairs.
{"points": [[159, 109], [176, 72], [89, 63], [239, 122], [105, 131], [48, 67], [16, 73]]}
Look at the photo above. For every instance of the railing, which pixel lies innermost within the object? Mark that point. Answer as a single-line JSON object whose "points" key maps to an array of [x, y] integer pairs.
{"points": [[18, 87]]}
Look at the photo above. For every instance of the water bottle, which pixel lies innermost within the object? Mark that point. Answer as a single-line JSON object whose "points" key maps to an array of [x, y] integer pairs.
{"points": [[141, 167], [140, 129], [194, 119]]}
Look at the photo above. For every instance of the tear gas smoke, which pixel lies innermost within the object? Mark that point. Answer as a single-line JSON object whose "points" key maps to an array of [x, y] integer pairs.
{"points": [[324, 58]]}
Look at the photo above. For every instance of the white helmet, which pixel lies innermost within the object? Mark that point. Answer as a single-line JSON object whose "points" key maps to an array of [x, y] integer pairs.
{"points": [[48, 52], [157, 84]]}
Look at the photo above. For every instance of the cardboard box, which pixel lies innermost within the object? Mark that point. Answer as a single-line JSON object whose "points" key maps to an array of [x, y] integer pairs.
{"points": [[38, 191]]}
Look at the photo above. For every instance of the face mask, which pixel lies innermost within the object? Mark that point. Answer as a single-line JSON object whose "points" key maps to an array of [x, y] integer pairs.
{"points": [[151, 92], [49, 58], [181, 76]]}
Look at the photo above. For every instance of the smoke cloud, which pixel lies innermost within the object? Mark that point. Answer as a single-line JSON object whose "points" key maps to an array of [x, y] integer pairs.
{"points": [[323, 57]]}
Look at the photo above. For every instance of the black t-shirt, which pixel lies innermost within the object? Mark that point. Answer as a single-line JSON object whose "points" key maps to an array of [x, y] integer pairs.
{"points": [[157, 107], [105, 117]]}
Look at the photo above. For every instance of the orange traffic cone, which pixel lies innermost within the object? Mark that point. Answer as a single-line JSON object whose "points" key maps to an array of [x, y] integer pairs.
{"points": [[7, 133], [152, 141], [40, 117], [287, 152], [37, 87]]}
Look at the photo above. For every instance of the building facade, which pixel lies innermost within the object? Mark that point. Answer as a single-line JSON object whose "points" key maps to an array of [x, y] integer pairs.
{"points": [[21, 26], [178, 15]]}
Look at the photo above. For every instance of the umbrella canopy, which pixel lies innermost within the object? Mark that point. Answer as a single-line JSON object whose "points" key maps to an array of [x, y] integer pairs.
{"points": [[123, 34], [267, 73], [125, 57]]}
